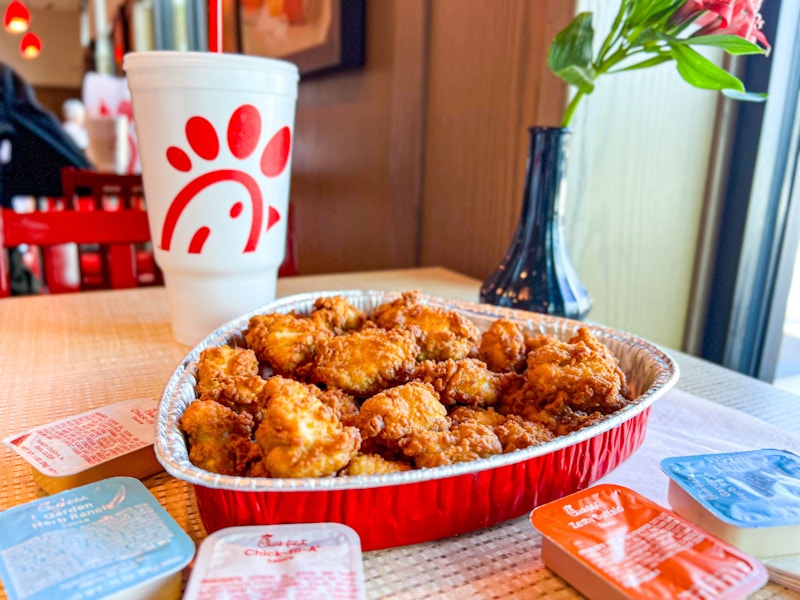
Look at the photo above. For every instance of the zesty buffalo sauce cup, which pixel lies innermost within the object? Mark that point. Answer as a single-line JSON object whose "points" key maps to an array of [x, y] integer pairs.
{"points": [[610, 542]]}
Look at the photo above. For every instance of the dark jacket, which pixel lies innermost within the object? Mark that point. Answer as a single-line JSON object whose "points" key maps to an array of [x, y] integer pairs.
{"points": [[39, 145]]}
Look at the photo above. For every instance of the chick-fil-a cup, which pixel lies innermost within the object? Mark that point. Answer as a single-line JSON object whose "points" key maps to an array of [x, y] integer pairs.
{"points": [[216, 133]]}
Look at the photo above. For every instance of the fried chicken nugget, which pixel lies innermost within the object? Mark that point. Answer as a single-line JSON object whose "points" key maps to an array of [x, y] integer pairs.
{"points": [[343, 404], [463, 442], [502, 347], [465, 381], [336, 314], [219, 438], [373, 464], [441, 334], [487, 416], [225, 361], [229, 376], [365, 362], [286, 342], [401, 411], [300, 436], [525, 403], [581, 374], [515, 433]]}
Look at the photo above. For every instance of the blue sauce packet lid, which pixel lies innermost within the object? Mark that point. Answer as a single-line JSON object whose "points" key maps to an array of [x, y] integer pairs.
{"points": [[89, 542], [756, 488]]}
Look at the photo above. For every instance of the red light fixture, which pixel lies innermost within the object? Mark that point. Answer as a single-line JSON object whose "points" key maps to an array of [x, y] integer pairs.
{"points": [[17, 17], [31, 46]]}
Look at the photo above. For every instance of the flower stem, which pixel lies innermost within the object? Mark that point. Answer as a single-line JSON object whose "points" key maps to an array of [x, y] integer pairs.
{"points": [[573, 104]]}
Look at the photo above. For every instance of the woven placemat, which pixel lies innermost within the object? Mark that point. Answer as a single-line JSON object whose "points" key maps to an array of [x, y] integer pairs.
{"points": [[118, 346]]}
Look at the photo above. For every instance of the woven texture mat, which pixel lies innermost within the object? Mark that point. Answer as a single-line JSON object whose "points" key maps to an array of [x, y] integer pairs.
{"points": [[60, 356]]}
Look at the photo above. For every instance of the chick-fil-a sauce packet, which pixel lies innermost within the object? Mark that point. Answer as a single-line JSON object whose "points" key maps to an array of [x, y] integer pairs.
{"points": [[750, 499], [610, 542], [308, 560], [111, 441]]}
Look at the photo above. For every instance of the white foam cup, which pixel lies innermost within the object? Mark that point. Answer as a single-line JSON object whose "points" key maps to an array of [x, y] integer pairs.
{"points": [[216, 133]]}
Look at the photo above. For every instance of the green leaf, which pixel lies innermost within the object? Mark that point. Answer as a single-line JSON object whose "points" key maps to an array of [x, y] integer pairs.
{"points": [[649, 13], [732, 44], [745, 96], [570, 54], [616, 29], [581, 78], [651, 62], [700, 72]]}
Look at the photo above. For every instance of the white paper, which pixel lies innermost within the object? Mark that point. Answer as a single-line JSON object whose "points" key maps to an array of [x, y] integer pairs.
{"points": [[681, 424]]}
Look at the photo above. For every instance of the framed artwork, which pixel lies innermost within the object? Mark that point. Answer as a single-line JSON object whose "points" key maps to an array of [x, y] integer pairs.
{"points": [[319, 36]]}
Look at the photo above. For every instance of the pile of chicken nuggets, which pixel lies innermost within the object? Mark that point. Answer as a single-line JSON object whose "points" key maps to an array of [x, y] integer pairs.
{"points": [[409, 386]]}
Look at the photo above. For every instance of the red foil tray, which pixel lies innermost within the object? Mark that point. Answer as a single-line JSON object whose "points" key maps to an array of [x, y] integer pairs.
{"points": [[423, 504], [398, 515]]}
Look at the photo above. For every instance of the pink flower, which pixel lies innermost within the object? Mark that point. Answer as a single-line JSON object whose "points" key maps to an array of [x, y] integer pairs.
{"points": [[733, 17]]}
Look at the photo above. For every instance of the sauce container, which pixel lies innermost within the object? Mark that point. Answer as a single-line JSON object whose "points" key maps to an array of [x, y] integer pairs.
{"points": [[784, 570], [610, 542], [115, 440], [750, 499], [311, 560], [110, 539]]}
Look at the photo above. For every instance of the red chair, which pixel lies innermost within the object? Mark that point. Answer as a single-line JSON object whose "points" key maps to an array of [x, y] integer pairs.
{"points": [[57, 227], [133, 265], [130, 190], [96, 236]]}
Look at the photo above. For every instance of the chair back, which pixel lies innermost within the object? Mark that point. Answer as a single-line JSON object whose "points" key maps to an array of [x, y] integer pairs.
{"points": [[95, 237]]}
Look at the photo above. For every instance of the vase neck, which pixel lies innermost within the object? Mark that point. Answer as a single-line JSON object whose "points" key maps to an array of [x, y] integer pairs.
{"points": [[544, 180]]}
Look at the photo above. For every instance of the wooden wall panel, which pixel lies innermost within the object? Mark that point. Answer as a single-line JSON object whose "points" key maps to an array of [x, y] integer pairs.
{"points": [[53, 98], [357, 158], [487, 83], [419, 158], [61, 62]]}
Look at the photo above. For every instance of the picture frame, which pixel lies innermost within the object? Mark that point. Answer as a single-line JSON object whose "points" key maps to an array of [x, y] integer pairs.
{"points": [[319, 36]]}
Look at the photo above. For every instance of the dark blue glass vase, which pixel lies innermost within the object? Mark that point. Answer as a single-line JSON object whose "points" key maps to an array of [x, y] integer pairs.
{"points": [[536, 273]]}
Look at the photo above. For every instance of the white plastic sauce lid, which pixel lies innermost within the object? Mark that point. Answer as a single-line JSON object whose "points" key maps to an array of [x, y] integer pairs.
{"points": [[308, 560]]}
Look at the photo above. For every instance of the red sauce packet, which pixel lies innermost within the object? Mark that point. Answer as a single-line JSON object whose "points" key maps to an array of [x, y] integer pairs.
{"points": [[609, 542]]}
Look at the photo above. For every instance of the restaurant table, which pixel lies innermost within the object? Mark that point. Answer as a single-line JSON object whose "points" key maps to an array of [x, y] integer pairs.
{"points": [[61, 355]]}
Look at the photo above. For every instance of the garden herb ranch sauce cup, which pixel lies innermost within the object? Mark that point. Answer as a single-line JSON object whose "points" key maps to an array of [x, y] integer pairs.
{"points": [[611, 543], [110, 539], [750, 499], [309, 560]]}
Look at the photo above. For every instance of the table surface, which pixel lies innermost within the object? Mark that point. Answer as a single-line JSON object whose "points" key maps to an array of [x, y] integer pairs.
{"points": [[61, 355]]}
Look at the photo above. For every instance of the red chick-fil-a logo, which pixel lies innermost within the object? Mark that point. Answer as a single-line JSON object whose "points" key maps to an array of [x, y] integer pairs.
{"points": [[280, 550], [243, 139]]}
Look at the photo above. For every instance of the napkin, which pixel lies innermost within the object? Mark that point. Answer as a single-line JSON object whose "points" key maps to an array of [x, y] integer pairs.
{"points": [[681, 424]]}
